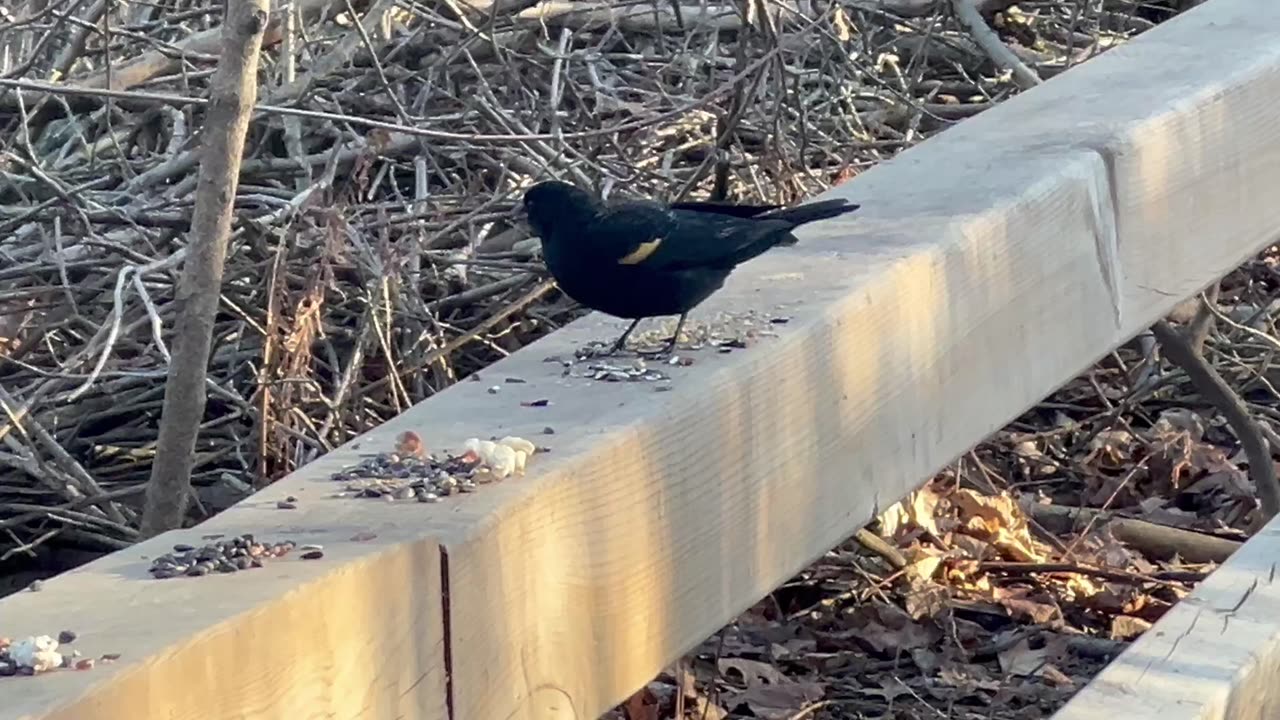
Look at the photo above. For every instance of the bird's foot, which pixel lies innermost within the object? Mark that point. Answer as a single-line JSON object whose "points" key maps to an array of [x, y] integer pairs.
{"points": [[666, 350], [595, 350]]}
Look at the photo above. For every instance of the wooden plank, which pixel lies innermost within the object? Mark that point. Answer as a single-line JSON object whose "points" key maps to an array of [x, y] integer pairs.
{"points": [[987, 267], [1213, 656], [357, 634]]}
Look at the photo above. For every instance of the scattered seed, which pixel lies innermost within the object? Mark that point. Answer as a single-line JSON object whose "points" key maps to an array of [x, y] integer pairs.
{"points": [[221, 556], [542, 402], [515, 380]]}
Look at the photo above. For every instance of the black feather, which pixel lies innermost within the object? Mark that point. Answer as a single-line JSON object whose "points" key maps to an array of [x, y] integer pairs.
{"points": [[638, 259]]}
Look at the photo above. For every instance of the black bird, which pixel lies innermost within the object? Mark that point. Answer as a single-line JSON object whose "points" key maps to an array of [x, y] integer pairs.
{"points": [[638, 258]]}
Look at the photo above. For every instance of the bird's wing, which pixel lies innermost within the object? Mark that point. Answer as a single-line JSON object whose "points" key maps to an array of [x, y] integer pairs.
{"points": [[630, 232], [650, 235], [724, 208]]}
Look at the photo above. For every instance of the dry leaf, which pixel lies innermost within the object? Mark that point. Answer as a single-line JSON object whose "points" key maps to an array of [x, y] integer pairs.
{"points": [[997, 520], [777, 702], [643, 705], [1126, 627], [967, 678], [753, 672], [1111, 449], [1019, 606], [887, 629], [1020, 659]]}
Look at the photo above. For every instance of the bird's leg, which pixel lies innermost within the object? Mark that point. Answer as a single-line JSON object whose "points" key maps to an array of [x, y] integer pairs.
{"points": [[621, 342], [675, 337]]}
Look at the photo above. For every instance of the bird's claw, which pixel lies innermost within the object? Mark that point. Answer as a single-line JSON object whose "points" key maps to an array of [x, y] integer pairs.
{"points": [[665, 351]]}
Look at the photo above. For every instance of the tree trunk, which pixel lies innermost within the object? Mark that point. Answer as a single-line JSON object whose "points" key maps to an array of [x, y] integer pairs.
{"points": [[233, 92]]}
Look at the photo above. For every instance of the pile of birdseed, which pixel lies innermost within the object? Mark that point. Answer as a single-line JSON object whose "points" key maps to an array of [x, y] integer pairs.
{"points": [[224, 556], [409, 473], [584, 366], [42, 653]]}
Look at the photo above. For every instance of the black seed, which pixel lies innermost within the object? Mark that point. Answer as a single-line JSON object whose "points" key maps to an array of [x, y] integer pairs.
{"points": [[183, 547], [312, 555]]}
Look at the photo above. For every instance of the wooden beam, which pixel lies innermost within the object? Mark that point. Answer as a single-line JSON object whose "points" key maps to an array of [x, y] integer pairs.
{"points": [[987, 266], [1213, 656], [356, 634]]}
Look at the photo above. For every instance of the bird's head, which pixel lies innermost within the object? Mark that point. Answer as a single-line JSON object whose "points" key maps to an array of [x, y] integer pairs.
{"points": [[552, 203]]}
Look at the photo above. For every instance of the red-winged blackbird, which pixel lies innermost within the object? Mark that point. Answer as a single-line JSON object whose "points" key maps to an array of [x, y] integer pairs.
{"points": [[637, 259]]}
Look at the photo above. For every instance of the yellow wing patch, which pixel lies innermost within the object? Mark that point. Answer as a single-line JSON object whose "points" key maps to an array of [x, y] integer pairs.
{"points": [[641, 253]]}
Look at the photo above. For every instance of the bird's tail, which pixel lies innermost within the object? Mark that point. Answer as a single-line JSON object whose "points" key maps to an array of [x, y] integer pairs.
{"points": [[808, 213]]}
